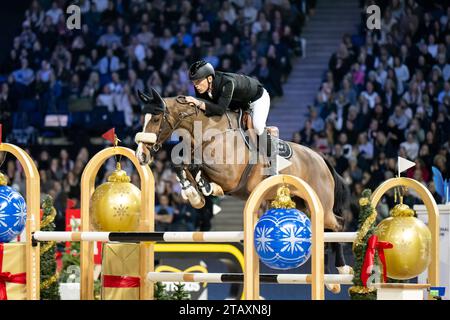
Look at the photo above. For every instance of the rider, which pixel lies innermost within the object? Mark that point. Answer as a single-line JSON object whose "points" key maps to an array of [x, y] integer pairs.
{"points": [[223, 90]]}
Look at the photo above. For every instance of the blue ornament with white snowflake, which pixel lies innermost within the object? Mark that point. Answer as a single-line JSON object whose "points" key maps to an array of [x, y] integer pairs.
{"points": [[283, 236], [13, 212]]}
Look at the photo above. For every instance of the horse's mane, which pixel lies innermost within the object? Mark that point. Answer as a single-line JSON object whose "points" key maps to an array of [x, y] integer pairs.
{"points": [[182, 96]]}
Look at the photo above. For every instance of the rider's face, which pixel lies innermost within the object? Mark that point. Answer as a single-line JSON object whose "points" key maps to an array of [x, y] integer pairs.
{"points": [[201, 85]]}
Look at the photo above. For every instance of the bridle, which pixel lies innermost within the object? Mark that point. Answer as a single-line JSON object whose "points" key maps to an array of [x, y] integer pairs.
{"points": [[166, 120]]}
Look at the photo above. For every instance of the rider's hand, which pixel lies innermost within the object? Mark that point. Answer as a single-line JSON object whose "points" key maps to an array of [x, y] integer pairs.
{"points": [[196, 102], [192, 100]]}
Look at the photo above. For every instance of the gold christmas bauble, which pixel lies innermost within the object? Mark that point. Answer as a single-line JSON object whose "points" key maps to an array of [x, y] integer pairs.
{"points": [[116, 204], [411, 254]]}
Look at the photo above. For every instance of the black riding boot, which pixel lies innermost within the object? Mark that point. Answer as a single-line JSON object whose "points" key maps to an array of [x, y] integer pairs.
{"points": [[264, 145], [268, 149]]}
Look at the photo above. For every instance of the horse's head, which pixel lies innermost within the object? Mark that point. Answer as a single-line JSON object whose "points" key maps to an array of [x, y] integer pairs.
{"points": [[156, 126]]}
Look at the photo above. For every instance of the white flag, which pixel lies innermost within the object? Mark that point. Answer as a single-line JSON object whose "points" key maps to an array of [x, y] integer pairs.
{"points": [[404, 164], [282, 163]]}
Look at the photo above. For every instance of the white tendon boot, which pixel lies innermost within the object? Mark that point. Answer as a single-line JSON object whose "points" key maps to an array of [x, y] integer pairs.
{"points": [[336, 288], [204, 185], [345, 270], [189, 193]]}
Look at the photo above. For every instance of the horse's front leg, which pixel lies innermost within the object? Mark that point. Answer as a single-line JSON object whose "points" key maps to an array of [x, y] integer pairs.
{"points": [[208, 188], [188, 191]]}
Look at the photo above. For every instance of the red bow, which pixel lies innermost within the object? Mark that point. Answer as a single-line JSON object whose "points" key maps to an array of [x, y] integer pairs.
{"points": [[5, 277], [121, 282], [374, 245]]}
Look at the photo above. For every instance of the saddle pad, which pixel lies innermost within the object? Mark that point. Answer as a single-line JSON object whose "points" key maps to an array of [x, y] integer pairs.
{"points": [[284, 148]]}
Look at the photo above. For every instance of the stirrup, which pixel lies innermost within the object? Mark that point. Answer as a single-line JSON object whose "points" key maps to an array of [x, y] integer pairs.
{"points": [[204, 185]]}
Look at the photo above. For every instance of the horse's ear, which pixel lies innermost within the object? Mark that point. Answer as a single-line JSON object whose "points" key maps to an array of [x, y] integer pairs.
{"points": [[145, 98], [156, 96], [160, 105]]}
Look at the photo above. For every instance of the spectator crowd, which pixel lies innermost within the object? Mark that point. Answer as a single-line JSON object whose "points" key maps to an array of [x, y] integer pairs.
{"points": [[91, 76], [386, 93]]}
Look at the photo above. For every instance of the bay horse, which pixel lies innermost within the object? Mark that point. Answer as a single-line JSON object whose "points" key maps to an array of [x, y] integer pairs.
{"points": [[162, 117]]}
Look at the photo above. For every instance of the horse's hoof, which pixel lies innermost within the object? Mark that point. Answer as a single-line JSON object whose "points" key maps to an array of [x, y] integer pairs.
{"points": [[345, 270], [333, 288], [184, 196], [194, 198], [198, 205], [217, 190]]}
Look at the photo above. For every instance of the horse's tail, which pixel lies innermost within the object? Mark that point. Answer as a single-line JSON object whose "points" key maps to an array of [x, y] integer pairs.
{"points": [[341, 191], [2, 157]]}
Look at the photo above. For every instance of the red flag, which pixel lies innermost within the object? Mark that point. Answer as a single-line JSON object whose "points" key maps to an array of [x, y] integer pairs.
{"points": [[70, 204], [110, 135]]}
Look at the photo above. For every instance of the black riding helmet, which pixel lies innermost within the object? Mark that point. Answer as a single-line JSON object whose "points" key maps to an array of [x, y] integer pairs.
{"points": [[200, 70]]}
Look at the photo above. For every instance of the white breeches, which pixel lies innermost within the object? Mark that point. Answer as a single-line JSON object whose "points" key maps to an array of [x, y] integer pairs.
{"points": [[260, 111]]}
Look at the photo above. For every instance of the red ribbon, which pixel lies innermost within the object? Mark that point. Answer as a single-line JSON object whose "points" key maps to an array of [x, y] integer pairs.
{"points": [[5, 277], [374, 245], [121, 282]]}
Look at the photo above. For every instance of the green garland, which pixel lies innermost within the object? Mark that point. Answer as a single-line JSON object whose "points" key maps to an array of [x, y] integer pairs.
{"points": [[179, 294], [366, 228], [49, 277]]}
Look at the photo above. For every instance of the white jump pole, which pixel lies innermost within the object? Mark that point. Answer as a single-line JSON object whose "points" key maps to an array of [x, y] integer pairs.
{"points": [[216, 236], [339, 236], [239, 278], [212, 236]]}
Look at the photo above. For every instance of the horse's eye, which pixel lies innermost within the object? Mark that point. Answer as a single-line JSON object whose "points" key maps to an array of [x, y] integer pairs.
{"points": [[155, 120]]}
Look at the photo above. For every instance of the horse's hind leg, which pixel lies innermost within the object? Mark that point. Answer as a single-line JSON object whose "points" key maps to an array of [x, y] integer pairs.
{"points": [[334, 288], [338, 249], [2, 157], [327, 259], [335, 247], [341, 266]]}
